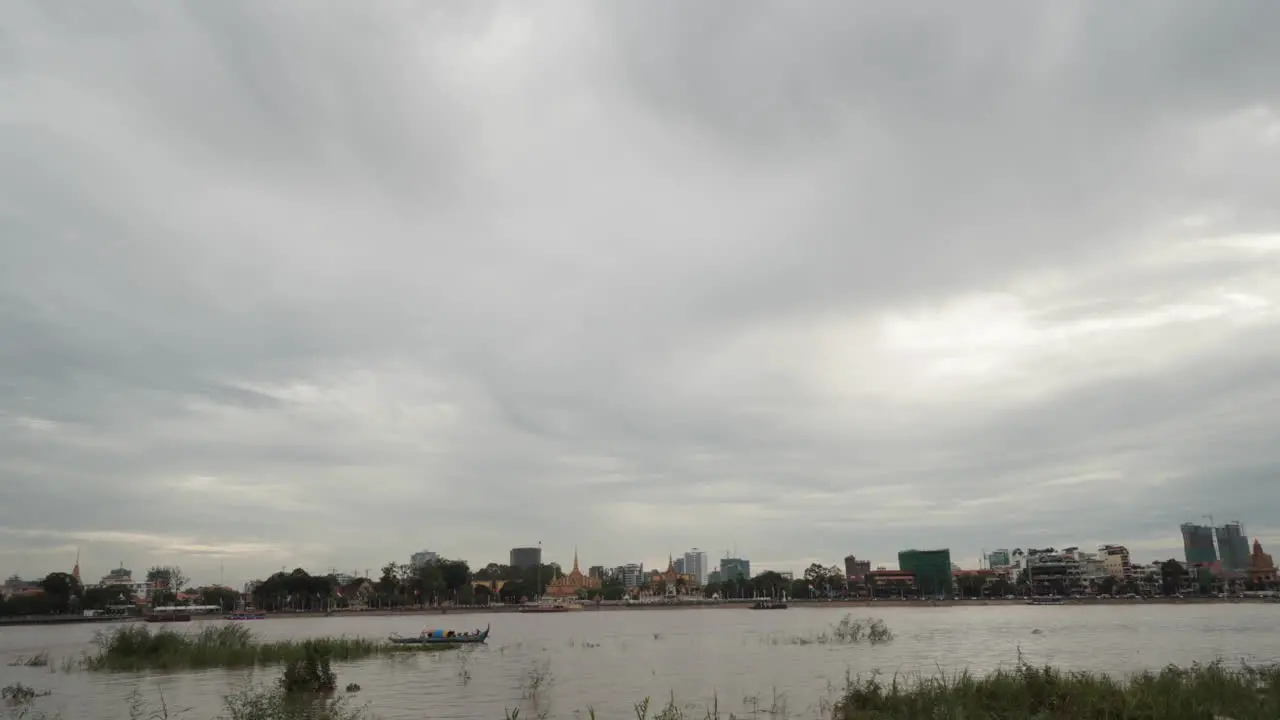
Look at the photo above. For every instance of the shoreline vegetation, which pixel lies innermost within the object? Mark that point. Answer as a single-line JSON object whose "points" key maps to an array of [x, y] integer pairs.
{"points": [[1212, 691], [136, 647]]}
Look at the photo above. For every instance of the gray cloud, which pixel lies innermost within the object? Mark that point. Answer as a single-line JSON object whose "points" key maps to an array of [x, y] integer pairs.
{"points": [[297, 286]]}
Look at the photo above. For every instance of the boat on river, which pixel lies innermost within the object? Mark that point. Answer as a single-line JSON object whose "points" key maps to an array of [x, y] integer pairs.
{"points": [[442, 637], [555, 607], [1052, 600], [769, 604], [246, 616], [168, 617]]}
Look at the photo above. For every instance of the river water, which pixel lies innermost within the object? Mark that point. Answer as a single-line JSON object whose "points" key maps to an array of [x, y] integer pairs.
{"points": [[750, 662]]}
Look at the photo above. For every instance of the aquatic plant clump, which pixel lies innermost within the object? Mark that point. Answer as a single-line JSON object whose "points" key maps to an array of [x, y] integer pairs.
{"points": [[40, 659], [138, 647], [18, 693], [1201, 692], [848, 631]]}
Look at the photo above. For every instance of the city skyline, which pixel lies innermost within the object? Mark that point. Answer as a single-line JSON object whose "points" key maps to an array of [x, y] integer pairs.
{"points": [[327, 284], [372, 569]]}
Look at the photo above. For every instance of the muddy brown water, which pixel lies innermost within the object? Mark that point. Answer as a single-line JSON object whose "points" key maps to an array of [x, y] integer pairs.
{"points": [[750, 662]]}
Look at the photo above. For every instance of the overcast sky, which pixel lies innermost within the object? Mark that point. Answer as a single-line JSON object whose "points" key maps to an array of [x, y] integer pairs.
{"points": [[323, 284]]}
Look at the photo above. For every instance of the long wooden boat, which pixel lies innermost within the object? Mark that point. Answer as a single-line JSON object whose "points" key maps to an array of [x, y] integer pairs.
{"points": [[558, 607], [767, 604], [169, 617], [442, 637], [246, 616]]}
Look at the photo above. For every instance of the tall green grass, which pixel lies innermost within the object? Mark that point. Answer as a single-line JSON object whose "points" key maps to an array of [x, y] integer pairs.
{"points": [[138, 647], [1201, 692]]}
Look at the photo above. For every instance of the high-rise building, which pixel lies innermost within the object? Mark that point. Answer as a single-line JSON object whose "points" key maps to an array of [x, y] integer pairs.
{"points": [[695, 565], [526, 557], [999, 559], [596, 571], [678, 564], [1197, 543], [856, 570], [423, 558], [1233, 546], [631, 574], [932, 569], [734, 569]]}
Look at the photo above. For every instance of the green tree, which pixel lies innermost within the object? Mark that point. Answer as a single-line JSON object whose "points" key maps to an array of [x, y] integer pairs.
{"points": [[225, 598], [454, 573], [769, 584], [1107, 586], [63, 589], [816, 576], [798, 588], [169, 577], [1171, 576]]}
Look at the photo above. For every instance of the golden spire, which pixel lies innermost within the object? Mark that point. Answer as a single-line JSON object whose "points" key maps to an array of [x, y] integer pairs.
{"points": [[575, 560], [75, 571]]}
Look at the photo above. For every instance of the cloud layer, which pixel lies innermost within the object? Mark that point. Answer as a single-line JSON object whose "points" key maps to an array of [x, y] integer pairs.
{"points": [[294, 284]]}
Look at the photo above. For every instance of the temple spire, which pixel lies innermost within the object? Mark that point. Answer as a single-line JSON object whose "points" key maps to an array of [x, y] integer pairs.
{"points": [[575, 559], [75, 570]]}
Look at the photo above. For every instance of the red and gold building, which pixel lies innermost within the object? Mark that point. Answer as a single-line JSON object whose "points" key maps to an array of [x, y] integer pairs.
{"points": [[568, 586]]}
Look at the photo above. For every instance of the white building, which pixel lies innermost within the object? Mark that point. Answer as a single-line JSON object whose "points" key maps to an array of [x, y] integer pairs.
{"points": [[631, 575], [122, 577], [695, 564]]}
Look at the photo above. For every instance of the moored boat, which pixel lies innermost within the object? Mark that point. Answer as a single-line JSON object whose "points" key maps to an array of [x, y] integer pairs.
{"points": [[442, 637], [246, 616], [1047, 601], [169, 617], [769, 604]]}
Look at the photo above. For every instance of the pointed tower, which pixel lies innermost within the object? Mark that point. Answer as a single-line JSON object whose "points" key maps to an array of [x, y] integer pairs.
{"points": [[75, 570], [575, 561]]}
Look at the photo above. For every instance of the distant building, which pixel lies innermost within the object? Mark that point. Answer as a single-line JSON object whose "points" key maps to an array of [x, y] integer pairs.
{"points": [[787, 575], [856, 570], [931, 568], [1197, 544], [997, 559], [596, 571], [695, 565], [1233, 546], [887, 583], [1115, 558], [526, 557], [572, 584], [678, 565], [123, 577], [1262, 569], [631, 575], [422, 559], [734, 569], [1052, 572]]}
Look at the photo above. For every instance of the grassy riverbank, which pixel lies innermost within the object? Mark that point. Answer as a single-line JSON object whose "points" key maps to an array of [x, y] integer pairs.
{"points": [[1202, 692], [138, 647]]}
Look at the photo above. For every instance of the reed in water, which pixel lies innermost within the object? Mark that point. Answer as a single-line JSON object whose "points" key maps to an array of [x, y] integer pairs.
{"points": [[138, 647]]}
